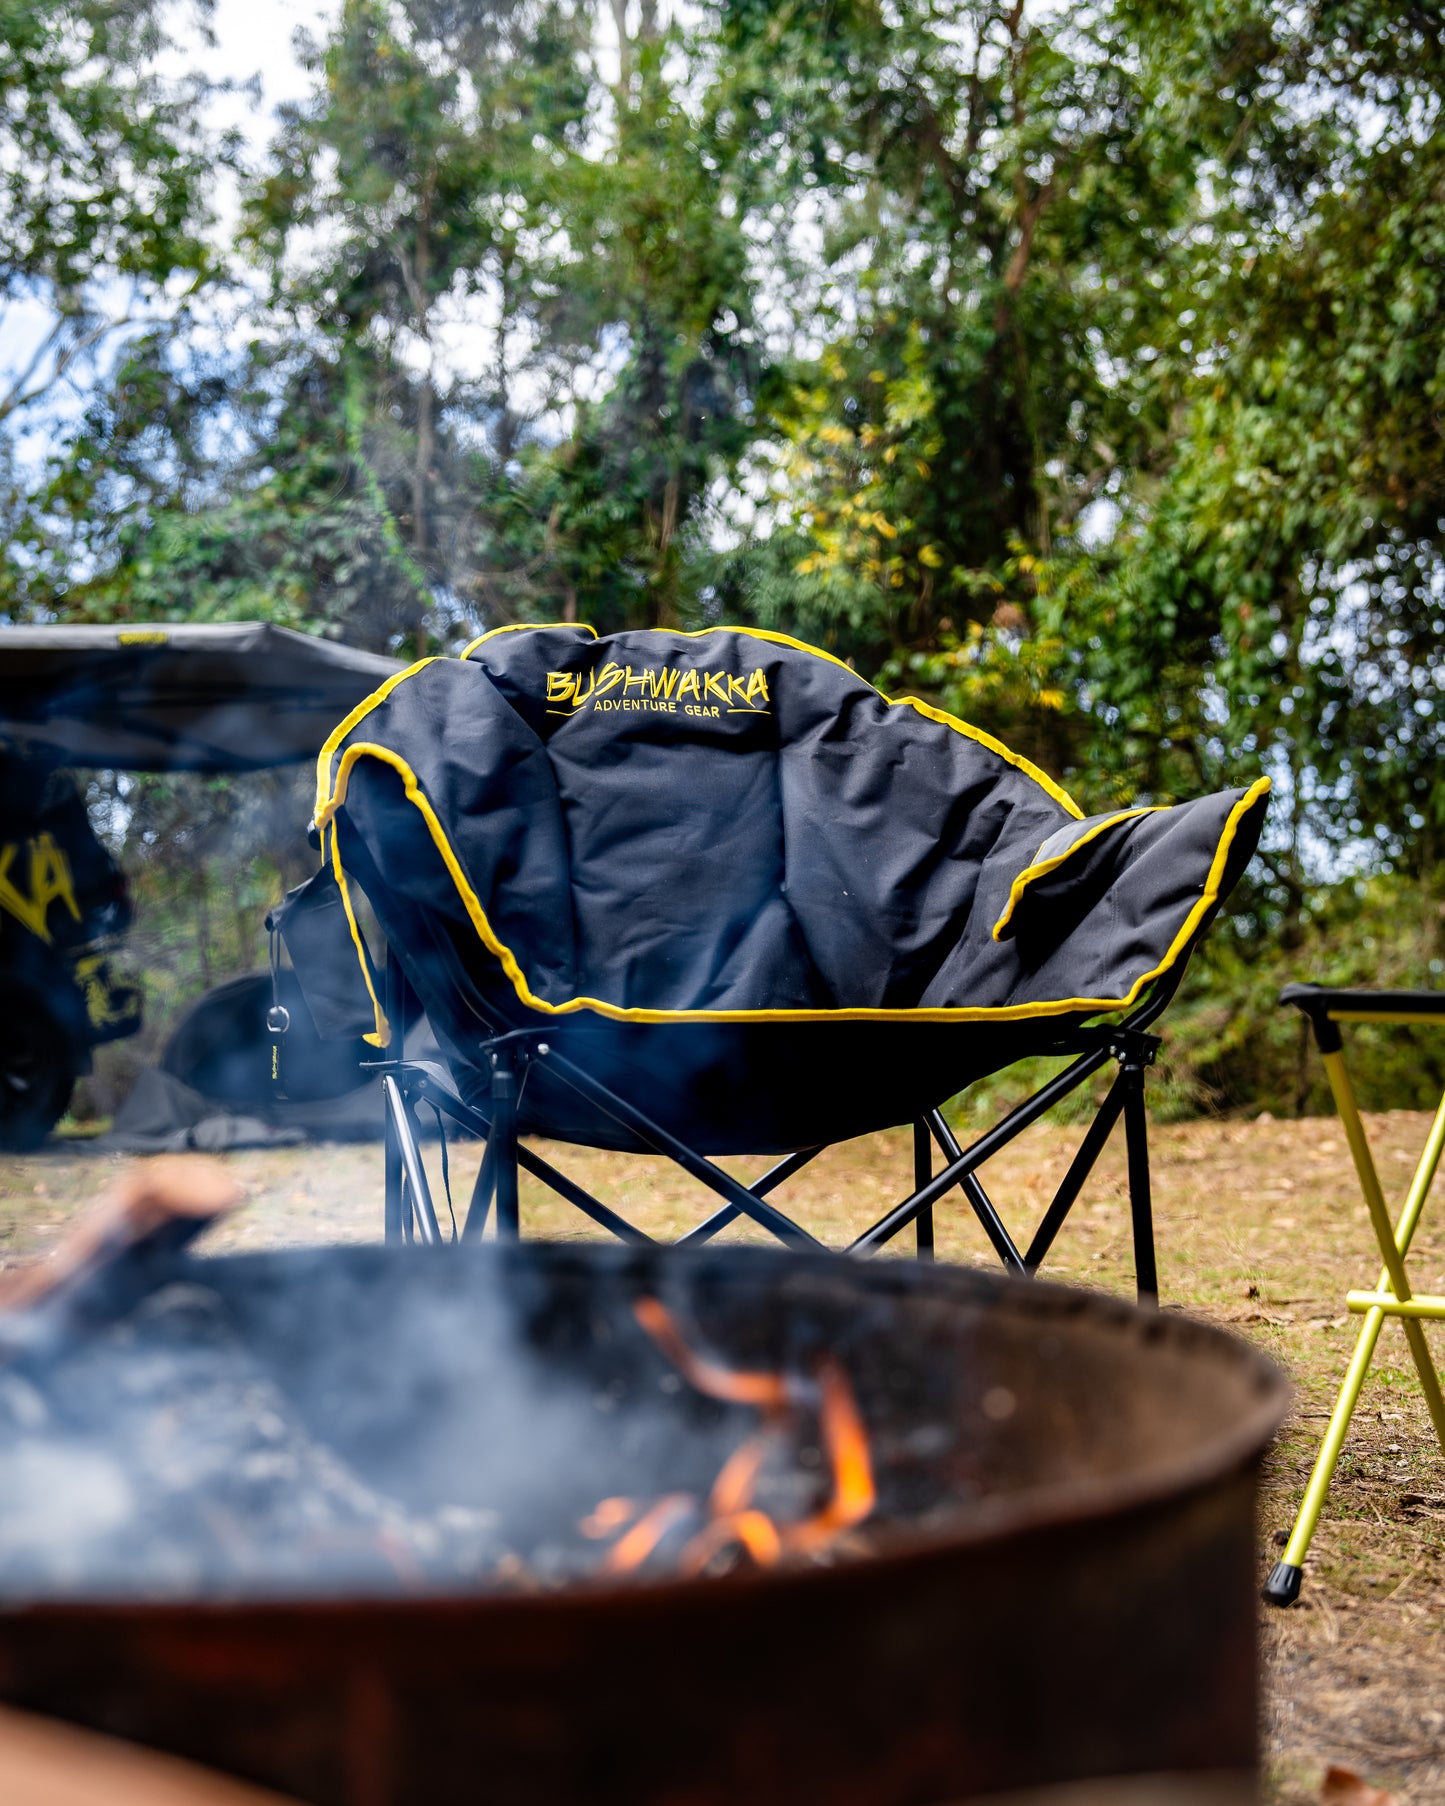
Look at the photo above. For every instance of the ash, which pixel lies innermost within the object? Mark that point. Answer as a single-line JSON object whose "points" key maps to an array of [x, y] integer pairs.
{"points": [[158, 1456], [298, 1428]]}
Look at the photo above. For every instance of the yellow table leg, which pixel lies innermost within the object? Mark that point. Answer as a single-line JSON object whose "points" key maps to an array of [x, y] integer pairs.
{"points": [[1283, 1585], [1394, 1242]]}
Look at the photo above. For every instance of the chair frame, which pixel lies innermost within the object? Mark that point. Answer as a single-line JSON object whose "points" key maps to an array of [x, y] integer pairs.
{"points": [[411, 1213], [1392, 1295]]}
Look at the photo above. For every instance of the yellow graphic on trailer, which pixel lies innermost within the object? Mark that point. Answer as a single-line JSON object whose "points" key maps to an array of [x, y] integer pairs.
{"points": [[669, 691], [47, 879], [110, 1003]]}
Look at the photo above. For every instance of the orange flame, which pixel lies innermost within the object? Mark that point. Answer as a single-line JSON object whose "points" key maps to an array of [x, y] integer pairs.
{"points": [[854, 1494], [631, 1550], [733, 1488], [608, 1515], [768, 1391], [755, 1530], [731, 1519]]}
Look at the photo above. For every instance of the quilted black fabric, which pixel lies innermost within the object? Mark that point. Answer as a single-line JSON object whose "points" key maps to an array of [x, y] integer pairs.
{"points": [[656, 831]]}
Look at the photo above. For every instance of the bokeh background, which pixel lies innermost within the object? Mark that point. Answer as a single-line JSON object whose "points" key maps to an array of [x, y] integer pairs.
{"points": [[1080, 368]]}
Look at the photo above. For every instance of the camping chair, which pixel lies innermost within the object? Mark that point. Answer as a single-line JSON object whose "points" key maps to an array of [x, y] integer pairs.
{"points": [[698, 894], [1392, 1295]]}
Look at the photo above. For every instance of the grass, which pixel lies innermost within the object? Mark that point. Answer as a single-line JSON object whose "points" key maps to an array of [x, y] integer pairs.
{"points": [[1260, 1229]]}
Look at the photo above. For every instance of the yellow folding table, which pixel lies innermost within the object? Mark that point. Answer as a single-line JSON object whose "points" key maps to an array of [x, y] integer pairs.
{"points": [[1392, 1296]]}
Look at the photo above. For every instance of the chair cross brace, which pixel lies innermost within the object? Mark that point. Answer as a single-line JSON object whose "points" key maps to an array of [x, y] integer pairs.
{"points": [[410, 1213]]}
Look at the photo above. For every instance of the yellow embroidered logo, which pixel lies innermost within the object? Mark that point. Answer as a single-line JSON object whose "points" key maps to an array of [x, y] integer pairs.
{"points": [[49, 879], [670, 691]]}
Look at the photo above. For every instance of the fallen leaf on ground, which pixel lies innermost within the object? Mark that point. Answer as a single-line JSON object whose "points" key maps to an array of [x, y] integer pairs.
{"points": [[1343, 1787]]}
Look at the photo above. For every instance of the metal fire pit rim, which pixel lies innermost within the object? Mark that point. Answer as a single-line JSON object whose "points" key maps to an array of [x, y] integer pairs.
{"points": [[999, 1519]]}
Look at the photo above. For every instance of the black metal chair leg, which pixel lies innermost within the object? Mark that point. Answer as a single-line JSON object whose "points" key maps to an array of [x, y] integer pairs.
{"points": [[504, 1139], [395, 1208], [398, 1007], [1072, 1183], [475, 1223], [1141, 1205], [417, 1204], [978, 1199], [922, 1173]]}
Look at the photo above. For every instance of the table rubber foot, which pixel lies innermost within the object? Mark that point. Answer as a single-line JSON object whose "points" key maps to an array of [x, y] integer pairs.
{"points": [[1282, 1587]]}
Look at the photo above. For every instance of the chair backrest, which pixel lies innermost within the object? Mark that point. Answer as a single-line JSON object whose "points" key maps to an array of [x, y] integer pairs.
{"points": [[672, 823]]}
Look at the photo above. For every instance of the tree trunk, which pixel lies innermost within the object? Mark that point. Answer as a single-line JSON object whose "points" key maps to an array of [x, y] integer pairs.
{"points": [[200, 896], [624, 49], [426, 398], [506, 436]]}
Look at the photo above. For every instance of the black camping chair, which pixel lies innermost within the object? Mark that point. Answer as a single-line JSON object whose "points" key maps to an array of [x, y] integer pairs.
{"points": [[696, 894]]}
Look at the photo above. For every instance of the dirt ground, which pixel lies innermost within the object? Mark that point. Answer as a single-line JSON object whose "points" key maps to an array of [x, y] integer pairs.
{"points": [[1260, 1229]]}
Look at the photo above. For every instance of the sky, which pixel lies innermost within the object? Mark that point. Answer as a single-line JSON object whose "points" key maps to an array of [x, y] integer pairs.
{"points": [[254, 37]]}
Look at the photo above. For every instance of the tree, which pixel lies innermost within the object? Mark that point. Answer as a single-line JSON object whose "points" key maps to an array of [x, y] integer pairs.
{"points": [[421, 183], [1282, 572], [105, 181], [989, 222], [106, 174]]}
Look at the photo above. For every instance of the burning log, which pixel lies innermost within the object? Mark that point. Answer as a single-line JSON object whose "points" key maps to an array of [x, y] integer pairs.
{"points": [[157, 1207], [47, 1764]]}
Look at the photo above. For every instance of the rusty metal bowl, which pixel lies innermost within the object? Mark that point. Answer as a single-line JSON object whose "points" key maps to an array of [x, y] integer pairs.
{"points": [[1058, 1582]]}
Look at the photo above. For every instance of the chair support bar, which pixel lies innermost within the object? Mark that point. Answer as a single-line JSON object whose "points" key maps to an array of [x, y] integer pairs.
{"points": [[409, 1204], [417, 1191], [749, 1203], [1072, 1184], [972, 1188], [775, 1175], [1014, 1124], [1425, 1305], [419, 1080], [1141, 1204], [1392, 1295], [922, 1173]]}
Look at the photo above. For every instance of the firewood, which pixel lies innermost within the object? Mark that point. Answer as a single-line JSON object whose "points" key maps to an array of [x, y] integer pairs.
{"points": [[158, 1204], [43, 1763]]}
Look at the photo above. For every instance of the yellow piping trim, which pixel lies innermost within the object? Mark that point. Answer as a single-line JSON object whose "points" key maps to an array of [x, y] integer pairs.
{"points": [[525, 627], [1020, 763], [382, 1036], [1031, 872], [1056, 791], [1002, 1013], [359, 713]]}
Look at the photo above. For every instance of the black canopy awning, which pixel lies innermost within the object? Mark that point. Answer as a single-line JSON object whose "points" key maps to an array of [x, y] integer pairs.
{"points": [[235, 696]]}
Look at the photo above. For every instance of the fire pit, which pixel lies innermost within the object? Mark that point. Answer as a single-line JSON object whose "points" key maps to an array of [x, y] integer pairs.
{"points": [[566, 1524]]}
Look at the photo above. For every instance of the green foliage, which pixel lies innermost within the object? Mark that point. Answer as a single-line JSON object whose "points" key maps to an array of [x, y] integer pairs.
{"points": [[1230, 1046], [104, 174], [300, 534], [1079, 369], [105, 183]]}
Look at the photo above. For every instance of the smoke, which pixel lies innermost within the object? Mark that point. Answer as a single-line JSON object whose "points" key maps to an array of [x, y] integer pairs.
{"points": [[371, 1422], [342, 1422]]}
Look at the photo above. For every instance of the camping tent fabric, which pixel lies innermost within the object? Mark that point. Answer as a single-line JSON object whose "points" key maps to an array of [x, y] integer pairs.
{"points": [[724, 867], [213, 1091], [232, 696]]}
